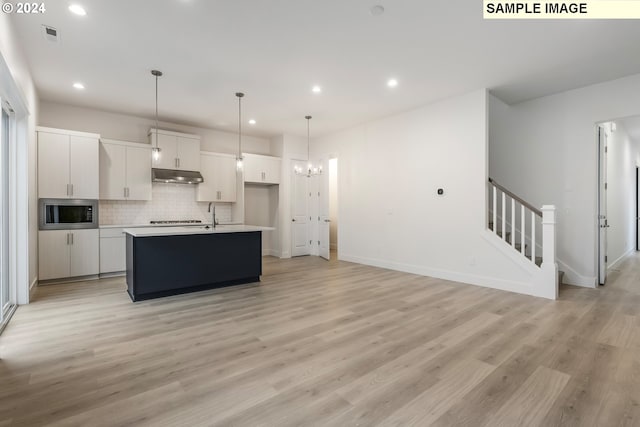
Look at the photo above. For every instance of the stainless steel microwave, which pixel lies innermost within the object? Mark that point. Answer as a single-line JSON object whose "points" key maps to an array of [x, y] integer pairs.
{"points": [[67, 214]]}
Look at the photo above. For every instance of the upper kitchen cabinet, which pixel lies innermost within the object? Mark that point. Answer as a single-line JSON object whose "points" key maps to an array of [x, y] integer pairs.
{"points": [[219, 173], [261, 169], [125, 170], [67, 164], [178, 151]]}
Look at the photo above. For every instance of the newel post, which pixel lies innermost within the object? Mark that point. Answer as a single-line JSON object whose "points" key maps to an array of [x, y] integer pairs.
{"points": [[549, 266]]}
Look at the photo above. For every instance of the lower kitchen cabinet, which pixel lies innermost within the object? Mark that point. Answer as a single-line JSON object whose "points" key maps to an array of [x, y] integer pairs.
{"points": [[112, 250], [68, 253]]}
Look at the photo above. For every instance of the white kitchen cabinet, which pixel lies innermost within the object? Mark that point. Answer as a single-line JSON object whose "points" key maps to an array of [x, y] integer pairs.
{"points": [[261, 169], [125, 171], [219, 173], [112, 250], [177, 150], [67, 164], [68, 253]]}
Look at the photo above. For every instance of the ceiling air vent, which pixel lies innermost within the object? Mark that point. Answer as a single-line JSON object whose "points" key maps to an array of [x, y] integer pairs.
{"points": [[50, 33]]}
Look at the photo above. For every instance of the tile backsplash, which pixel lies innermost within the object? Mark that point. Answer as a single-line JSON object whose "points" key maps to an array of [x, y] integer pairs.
{"points": [[169, 202]]}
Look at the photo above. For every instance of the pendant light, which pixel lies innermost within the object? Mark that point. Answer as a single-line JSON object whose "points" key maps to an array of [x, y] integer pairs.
{"points": [[156, 150], [311, 169], [239, 164]]}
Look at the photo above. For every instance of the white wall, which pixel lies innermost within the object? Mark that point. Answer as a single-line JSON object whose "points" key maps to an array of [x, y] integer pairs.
{"points": [[545, 150], [12, 54], [388, 210], [135, 129], [622, 158]]}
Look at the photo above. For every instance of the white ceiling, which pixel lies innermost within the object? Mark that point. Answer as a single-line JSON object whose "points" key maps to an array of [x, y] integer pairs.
{"points": [[632, 126], [276, 50]]}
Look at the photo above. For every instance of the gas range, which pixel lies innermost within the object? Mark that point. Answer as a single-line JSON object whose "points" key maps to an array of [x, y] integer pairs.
{"points": [[177, 222]]}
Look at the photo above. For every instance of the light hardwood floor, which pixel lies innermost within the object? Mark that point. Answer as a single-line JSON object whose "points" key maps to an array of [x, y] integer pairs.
{"points": [[319, 343]]}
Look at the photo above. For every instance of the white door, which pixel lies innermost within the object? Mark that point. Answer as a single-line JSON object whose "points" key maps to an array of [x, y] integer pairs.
{"points": [[300, 242], [168, 145], [188, 154], [85, 252], [314, 216], [53, 166], [323, 211], [602, 204], [53, 254], [138, 173], [84, 164], [112, 171]]}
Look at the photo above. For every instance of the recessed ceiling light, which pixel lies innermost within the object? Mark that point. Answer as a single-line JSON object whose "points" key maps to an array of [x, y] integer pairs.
{"points": [[392, 82], [316, 89], [252, 122], [77, 9], [377, 10], [78, 86]]}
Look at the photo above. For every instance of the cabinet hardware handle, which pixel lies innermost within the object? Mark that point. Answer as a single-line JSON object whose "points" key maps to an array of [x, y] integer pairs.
{"points": [[68, 234], [293, 220], [72, 195], [68, 190]]}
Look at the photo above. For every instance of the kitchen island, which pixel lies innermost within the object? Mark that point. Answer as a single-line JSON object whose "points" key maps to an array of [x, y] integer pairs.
{"points": [[175, 260]]}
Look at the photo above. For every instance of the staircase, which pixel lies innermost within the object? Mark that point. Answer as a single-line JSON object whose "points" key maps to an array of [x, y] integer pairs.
{"points": [[529, 232]]}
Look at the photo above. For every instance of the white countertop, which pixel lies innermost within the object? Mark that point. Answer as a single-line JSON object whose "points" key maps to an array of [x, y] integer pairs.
{"points": [[147, 225], [176, 231]]}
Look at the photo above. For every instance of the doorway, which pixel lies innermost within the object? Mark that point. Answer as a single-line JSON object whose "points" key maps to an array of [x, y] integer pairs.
{"points": [[602, 205], [333, 206], [314, 211], [618, 192]]}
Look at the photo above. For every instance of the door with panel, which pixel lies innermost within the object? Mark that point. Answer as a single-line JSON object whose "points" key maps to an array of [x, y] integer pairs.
{"points": [[188, 154], [138, 173], [84, 252], [168, 145], [300, 242], [324, 221], [112, 177], [83, 167], [53, 166], [602, 205], [53, 254], [225, 175]]}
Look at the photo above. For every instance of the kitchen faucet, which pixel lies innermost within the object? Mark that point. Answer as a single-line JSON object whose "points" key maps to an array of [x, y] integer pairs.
{"points": [[214, 220]]}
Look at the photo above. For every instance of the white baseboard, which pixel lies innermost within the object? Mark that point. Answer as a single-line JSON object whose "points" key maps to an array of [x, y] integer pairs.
{"points": [[33, 288], [572, 277], [271, 252], [623, 256], [471, 279], [285, 254]]}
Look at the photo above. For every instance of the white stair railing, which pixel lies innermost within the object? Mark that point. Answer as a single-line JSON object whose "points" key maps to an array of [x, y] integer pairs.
{"points": [[531, 232]]}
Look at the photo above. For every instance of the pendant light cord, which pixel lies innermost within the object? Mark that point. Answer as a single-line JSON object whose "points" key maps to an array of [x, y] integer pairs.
{"points": [[156, 111], [156, 74], [239, 95]]}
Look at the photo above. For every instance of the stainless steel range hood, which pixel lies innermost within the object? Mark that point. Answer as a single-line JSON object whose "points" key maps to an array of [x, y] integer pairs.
{"points": [[176, 177]]}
